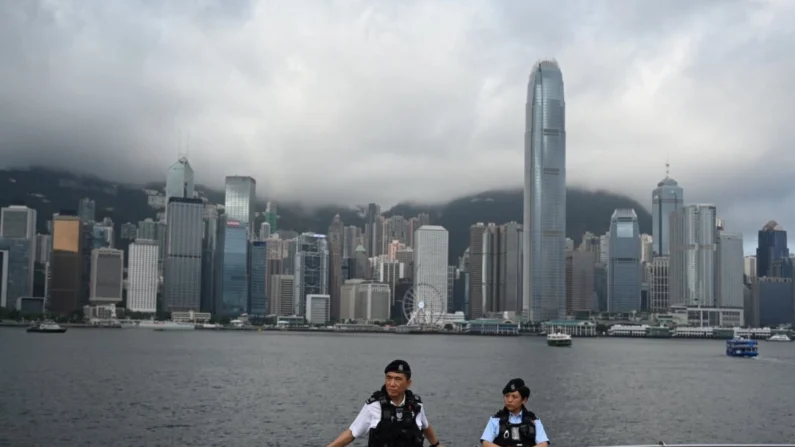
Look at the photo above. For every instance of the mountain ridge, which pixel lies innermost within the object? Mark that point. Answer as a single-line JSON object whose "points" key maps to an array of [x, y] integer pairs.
{"points": [[52, 190]]}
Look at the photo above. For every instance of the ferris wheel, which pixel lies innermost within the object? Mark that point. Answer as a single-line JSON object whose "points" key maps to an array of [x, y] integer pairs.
{"points": [[423, 305]]}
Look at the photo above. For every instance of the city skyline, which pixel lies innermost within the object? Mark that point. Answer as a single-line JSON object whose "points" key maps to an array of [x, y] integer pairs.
{"points": [[659, 86]]}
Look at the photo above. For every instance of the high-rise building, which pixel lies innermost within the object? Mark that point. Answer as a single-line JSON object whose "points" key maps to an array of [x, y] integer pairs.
{"points": [[18, 231], [771, 249], [729, 283], [544, 249], [258, 296], [580, 287], [335, 244], [666, 198], [624, 268], [659, 296], [234, 273], [142, 276], [179, 180], [182, 270], [210, 246], [107, 276], [66, 265], [311, 269], [241, 193], [87, 210], [430, 267], [691, 271], [282, 295]]}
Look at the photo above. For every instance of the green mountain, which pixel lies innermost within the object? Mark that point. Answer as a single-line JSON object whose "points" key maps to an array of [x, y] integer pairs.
{"points": [[50, 191]]}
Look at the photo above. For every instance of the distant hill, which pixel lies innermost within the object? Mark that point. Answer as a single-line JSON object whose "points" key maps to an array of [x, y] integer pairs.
{"points": [[50, 191]]}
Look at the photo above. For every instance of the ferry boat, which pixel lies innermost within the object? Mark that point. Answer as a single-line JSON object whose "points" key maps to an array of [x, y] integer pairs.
{"points": [[47, 327], [741, 347], [558, 339], [779, 337], [174, 326]]}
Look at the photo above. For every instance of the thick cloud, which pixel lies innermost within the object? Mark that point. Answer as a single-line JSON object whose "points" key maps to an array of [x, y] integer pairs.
{"points": [[355, 101]]}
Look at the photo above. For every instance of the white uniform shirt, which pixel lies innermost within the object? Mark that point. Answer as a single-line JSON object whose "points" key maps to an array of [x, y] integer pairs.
{"points": [[370, 416]]}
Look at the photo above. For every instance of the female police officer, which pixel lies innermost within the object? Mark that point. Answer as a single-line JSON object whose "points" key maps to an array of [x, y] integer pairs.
{"points": [[515, 425], [393, 416]]}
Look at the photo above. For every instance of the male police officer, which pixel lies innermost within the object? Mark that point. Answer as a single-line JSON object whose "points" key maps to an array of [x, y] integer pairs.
{"points": [[393, 416], [515, 425]]}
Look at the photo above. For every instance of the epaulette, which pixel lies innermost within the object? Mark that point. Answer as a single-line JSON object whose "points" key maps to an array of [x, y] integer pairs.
{"points": [[376, 397], [500, 414], [529, 414], [416, 398]]}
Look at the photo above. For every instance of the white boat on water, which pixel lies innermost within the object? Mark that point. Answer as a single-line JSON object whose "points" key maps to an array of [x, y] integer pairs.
{"points": [[165, 325], [559, 339], [779, 337]]}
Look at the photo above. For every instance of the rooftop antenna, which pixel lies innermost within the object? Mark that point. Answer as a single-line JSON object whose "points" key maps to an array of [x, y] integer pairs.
{"points": [[667, 167]]}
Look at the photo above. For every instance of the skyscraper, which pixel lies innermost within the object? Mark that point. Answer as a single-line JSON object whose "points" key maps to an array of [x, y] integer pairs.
{"points": [[142, 276], [544, 243], [182, 278], [311, 269], [623, 268], [179, 180], [241, 192], [691, 271], [430, 267], [667, 197]]}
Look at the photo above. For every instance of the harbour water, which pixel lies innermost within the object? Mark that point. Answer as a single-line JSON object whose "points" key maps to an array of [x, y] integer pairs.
{"points": [[138, 387]]}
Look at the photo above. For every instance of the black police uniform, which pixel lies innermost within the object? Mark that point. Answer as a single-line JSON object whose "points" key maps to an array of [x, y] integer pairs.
{"points": [[522, 434], [398, 424]]}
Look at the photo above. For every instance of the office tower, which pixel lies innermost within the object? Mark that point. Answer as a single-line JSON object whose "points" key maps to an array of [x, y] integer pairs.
{"points": [[691, 271], [210, 244], [183, 255], [352, 238], [272, 216], [749, 266], [729, 281], [18, 233], [282, 295], [317, 310], [87, 210], [142, 276], [179, 180], [771, 249], [148, 229], [241, 193], [659, 295], [311, 269], [66, 265], [234, 272], [647, 248], [544, 278], [430, 267], [666, 198], [264, 231], [258, 296], [335, 244], [580, 285], [623, 268], [373, 229], [107, 276]]}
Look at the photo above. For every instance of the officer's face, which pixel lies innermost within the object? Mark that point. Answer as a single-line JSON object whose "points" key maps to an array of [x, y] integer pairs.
{"points": [[396, 384], [514, 401]]}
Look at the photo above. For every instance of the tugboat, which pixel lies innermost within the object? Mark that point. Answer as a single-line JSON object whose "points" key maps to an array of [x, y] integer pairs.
{"points": [[50, 327], [558, 339], [741, 347]]}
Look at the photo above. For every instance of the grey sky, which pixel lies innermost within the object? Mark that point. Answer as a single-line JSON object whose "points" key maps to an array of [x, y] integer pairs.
{"points": [[354, 101]]}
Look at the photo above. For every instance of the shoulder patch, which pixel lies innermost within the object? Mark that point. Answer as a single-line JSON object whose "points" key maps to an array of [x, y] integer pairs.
{"points": [[417, 398], [375, 397]]}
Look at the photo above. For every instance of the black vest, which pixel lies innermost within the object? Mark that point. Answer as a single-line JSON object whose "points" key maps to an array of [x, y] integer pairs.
{"points": [[522, 434], [398, 425]]}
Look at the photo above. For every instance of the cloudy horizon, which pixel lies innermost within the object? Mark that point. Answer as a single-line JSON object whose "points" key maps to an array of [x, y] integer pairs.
{"points": [[346, 101]]}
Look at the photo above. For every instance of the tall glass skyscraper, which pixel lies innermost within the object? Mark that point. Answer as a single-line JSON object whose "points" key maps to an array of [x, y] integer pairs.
{"points": [[623, 268], [179, 180], [667, 197], [241, 192], [544, 243]]}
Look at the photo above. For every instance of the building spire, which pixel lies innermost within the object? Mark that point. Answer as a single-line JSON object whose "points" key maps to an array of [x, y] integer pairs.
{"points": [[667, 167]]}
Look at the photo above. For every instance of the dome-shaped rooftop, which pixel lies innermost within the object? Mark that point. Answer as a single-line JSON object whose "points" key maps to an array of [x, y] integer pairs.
{"points": [[668, 181]]}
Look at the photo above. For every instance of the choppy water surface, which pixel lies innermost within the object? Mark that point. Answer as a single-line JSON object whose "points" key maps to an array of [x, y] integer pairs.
{"points": [[137, 387]]}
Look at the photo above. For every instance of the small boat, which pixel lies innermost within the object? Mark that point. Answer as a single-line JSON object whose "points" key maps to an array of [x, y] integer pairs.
{"points": [[558, 339], [779, 337], [741, 347], [47, 327], [174, 326]]}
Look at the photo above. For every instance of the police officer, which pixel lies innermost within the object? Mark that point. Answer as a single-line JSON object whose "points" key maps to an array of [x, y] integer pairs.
{"points": [[514, 425], [393, 416]]}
